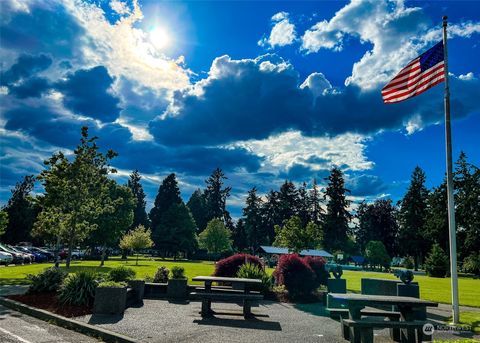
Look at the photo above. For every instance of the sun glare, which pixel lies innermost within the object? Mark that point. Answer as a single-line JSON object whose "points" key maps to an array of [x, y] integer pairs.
{"points": [[159, 37]]}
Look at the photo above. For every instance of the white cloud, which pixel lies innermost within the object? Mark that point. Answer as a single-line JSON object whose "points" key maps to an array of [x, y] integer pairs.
{"points": [[283, 32], [119, 6], [317, 83], [397, 34], [287, 149], [126, 49]]}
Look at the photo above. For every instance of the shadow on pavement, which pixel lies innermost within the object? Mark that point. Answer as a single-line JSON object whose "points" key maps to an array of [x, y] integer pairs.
{"points": [[240, 323], [105, 319], [317, 309]]}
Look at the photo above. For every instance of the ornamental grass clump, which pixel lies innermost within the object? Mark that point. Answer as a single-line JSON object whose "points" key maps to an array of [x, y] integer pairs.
{"points": [[121, 274], [253, 271], [178, 272], [78, 289], [161, 275], [49, 280], [229, 267]]}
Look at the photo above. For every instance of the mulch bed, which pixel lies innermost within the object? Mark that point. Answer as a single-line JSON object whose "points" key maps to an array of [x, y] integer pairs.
{"points": [[50, 302]]}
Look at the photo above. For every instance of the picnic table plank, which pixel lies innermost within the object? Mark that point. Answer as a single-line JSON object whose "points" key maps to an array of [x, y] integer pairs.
{"points": [[382, 299]]}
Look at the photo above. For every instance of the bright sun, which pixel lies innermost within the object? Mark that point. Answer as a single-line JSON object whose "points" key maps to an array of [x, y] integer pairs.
{"points": [[159, 37]]}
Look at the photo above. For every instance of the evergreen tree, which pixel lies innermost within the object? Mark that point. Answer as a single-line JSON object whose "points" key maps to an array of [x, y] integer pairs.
{"points": [[3, 221], [303, 206], [412, 215], [198, 207], [240, 238], [252, 214], [467, 205], [176, 231], [21, 212], [76, 193], [168, 195], [288, 201], [316, 210], [271, 215], [216, 195], [139, 213], [436, 222], [337, 216], [377, 222]]}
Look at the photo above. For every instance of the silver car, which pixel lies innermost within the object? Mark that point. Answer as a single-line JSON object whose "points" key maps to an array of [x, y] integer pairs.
{"points": [[5, 258]]}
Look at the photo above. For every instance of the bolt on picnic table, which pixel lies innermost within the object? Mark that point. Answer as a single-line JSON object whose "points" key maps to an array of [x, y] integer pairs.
{"points": [[407, 329], [208, 294]]}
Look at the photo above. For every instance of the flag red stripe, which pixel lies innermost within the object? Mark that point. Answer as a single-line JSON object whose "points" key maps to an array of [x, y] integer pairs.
{"points": [[406, 71], [411, 82], [413, 89], [417, 91]]}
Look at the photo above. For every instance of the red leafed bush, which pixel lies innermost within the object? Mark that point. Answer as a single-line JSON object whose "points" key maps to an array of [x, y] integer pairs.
{"points": [[228, 267], [318, 266], [296, 275]]}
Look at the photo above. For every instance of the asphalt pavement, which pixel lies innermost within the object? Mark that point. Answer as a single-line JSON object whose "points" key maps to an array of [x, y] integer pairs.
{"points": [[19, 328]]}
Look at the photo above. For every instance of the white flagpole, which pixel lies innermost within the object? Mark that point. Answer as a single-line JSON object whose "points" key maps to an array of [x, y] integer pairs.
{"points": [[451, 204]]}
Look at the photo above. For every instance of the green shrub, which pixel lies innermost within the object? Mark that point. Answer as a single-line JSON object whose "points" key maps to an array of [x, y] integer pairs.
{"points": [[78, 289], [408, 262], [49, 280], [471, 264], [121, 274], [436, 264], [178, 272], [161, 275], [112, 284], [252, 271]]}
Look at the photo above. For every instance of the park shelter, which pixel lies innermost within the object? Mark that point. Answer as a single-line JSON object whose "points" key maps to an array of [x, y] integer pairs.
{"points": [[269, 250]]}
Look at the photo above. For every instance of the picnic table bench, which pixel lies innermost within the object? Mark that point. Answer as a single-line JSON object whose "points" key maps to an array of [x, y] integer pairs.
{"points": [[208, 294], [402, 328]]}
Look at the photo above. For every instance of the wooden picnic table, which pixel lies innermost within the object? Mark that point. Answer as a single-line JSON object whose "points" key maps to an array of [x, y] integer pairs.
{"points": [[407, 306], [208, 295]]}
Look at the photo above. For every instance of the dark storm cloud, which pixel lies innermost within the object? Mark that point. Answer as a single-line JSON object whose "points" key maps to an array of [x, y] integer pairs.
{"points": [[365, 185], [154, 158], [32, 87], [24, 67], [87, 92], [55, 30], [252, 99]]}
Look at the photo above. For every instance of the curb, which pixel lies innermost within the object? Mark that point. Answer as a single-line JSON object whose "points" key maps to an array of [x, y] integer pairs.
{"points": [[67, 323]]}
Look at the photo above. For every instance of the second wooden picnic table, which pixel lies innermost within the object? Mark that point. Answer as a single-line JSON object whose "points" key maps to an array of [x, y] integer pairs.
{"points": [[208, 295], [407, 306]]}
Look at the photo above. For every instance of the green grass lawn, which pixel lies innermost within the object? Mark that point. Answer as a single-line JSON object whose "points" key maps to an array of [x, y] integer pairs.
{"points": [[435, 289]]}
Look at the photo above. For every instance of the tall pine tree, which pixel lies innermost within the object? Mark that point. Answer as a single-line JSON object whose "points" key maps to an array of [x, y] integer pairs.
{"points": [[412, 216], [21, 212], [252, 214], [315, 200], [216, 196], [168, 195], [139, 213], [288, 201], [198, 207], [239, 235], [337, 217], [271, 215]]}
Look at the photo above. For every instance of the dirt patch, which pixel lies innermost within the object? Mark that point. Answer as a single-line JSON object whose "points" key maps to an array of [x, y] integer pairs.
{"points": [[50, 302]]}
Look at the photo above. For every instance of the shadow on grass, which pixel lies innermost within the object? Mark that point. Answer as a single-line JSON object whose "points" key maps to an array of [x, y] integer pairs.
{"points": [[240, 323], [317, 309], [14, 281]]}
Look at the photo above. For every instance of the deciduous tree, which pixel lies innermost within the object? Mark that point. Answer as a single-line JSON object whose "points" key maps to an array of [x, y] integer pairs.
{"points": [[216, 237], [138, 238]]}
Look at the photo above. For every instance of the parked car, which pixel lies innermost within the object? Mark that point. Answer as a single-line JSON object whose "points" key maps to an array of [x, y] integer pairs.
{"points": [[39, 258], [27, 257], [46, 253], [5, 258], [17, 257]]}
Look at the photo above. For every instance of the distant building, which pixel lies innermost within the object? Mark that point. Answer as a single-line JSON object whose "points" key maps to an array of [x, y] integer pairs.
{"points": [[273, 253]]}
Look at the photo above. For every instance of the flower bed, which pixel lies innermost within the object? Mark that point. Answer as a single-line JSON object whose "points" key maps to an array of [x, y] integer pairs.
{"points": [[49, 301]]}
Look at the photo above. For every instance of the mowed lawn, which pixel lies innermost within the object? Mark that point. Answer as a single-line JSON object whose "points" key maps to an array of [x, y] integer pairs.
{"points": [[435, 289]]}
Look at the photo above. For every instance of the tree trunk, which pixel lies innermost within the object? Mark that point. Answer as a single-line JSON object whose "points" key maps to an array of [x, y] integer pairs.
{"points": [[136, 263], [57, 248], [415, 259], [69, 254], [102, 260]]}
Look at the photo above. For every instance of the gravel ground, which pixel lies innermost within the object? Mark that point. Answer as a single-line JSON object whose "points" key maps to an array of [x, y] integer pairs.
{"points": [[164, 321]]}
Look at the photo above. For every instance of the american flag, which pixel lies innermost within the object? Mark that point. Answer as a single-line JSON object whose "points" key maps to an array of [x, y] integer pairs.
{"points": [[424, 72]]}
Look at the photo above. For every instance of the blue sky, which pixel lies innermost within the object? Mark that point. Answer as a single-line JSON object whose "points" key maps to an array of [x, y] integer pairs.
{"points": [[265, 90]]}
